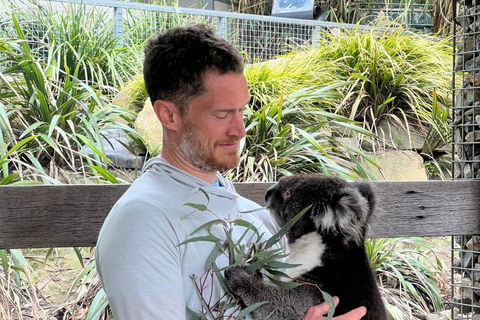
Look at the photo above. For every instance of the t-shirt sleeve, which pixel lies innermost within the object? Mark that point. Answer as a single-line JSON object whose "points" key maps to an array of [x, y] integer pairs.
{"points": [[139, 263]]}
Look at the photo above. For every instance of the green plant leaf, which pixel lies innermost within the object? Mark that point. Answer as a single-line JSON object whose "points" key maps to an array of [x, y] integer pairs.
{"points": [[283, 231], [244, 312], [199, 207]]}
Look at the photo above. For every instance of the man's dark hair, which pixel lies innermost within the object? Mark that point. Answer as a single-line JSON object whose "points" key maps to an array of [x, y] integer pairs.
{"points": [[177, 59]]}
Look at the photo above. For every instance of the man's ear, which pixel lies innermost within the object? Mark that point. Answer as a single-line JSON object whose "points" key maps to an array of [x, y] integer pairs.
{"points": [[168, 114]]}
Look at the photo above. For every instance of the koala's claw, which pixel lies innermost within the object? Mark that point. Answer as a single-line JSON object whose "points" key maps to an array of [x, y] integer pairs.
{"points": [[234, 277]]}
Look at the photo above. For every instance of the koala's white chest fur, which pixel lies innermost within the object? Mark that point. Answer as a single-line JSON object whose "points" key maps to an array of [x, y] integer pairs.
{"points": [[307, 251]]}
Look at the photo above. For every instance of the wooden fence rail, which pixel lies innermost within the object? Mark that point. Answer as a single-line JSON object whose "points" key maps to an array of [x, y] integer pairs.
{"points": [[72, 215]]}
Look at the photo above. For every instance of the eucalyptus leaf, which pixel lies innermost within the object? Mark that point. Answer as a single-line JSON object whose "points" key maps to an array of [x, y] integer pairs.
{"points": [[197, 206], [283, 231], [249, 309]]}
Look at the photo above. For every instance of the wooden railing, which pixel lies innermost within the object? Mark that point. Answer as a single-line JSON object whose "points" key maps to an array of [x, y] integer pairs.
{"points": [[72, 215]]}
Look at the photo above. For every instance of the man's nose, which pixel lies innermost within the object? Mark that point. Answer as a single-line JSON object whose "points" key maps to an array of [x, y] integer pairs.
{"points": [[237, 128]]}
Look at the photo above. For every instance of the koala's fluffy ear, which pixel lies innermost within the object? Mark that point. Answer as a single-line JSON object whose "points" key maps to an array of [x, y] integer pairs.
{"points": [[367, 192], [351, 210]]}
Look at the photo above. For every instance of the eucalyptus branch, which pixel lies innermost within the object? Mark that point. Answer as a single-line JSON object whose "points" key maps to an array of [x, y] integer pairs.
{"points": [[252, 252]]}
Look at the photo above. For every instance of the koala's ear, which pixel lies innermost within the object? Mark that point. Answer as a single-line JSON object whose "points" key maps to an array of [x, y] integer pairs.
{"points": [[367, 192], [351, 201]]}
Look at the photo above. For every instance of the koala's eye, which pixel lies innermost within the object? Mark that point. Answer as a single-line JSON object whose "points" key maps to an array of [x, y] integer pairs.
{"points": [[286, 195]]}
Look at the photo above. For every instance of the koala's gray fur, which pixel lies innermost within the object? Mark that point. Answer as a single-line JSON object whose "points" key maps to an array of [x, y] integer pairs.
{"points": [[329, 243]]}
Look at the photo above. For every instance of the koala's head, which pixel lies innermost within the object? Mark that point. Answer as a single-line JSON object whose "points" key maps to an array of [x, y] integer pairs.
{"points": [[339, 209]]}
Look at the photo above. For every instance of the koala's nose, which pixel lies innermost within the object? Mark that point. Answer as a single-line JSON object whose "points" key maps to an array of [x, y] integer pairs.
{"points": [[270, 191]]}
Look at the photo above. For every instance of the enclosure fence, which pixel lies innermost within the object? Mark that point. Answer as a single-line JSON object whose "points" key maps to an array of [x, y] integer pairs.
{"points": [[466, 150], [258, 38]]}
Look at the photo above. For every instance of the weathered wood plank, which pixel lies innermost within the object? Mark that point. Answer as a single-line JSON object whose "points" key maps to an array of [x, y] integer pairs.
{"points": [[72, 215]]}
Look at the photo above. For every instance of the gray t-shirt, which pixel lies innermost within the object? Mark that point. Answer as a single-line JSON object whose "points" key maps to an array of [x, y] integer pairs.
{"points": [[144, 271]]}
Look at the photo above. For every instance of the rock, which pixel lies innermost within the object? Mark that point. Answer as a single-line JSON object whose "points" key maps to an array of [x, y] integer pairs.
{"points": [[463, 303], [476, 289], [473, 244], [120, 156], [398, 137], [352, 142], [467, 171], [476, 274], [149, 128], [472, 137], [466, 288], [397, 165], [467, 259], [367, 144]]}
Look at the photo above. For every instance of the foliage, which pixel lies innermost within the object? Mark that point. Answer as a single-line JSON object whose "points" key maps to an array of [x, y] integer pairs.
{"points": [[17, 288], [406, 274], [439, 131], [48, 114], [282, 138], [392, 74], [432, 170], [251, 251], [81, 45]]}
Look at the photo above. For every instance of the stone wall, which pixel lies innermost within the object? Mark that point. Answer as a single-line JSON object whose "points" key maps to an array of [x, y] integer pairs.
{"points": [[466, 141], [466, 124]]}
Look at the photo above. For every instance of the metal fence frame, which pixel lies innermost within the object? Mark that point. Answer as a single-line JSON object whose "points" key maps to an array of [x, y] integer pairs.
{"points": [[282, 31]]}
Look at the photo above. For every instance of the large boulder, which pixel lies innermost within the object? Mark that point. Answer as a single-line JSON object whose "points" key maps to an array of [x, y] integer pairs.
{"points": [[400, 138], [114, 142], [397, 165], [150, 128]]}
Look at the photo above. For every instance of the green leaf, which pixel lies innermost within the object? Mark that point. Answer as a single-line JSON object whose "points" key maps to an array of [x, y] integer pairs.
{"points": [[104, 173], [247, 224], [283, 231], [205, 194], [79, 256], [9, 179], [284, 284], [328, 299], [195, 316], [199, 207], [249, 309], [209, 224], [204, 238], [97, 306]]}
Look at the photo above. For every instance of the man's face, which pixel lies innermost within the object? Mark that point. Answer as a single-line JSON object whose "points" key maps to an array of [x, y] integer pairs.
{"points": [[213, 124]]}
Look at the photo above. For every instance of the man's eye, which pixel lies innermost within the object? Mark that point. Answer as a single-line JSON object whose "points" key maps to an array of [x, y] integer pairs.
{"points": [[222, 115]]}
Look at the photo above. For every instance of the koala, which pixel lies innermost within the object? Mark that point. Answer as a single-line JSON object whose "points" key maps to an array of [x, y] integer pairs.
{"points": [[327, 242]]}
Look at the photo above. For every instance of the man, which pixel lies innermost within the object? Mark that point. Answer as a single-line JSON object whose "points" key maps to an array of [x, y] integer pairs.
{"points": [[196, 84]]}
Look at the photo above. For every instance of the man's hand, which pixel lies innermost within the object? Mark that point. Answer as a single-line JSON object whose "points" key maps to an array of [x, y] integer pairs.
{"points": [[318, 312]]}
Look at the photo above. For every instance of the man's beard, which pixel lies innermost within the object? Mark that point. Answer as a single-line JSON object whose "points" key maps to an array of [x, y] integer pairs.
{"points": [[198, 152]]}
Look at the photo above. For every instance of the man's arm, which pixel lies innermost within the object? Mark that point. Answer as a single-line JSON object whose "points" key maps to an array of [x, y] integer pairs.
{"points": [[139, 264]]}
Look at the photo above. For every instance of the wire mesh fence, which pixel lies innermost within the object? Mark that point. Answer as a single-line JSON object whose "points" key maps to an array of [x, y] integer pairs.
{"points": [[259, 38], [466, 145]]}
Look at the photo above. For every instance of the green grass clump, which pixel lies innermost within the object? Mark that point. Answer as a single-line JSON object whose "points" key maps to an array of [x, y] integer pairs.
{"points": [[393, 74]]}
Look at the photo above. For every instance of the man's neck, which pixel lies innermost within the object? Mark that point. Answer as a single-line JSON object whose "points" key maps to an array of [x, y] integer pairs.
{"points": [[176, 160]]}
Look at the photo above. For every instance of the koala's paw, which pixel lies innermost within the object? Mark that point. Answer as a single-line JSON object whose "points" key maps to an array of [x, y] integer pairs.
{"points": [[238, 280]]}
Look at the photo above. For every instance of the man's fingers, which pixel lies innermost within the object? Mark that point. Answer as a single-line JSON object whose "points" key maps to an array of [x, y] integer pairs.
{"points": [[319, 310], [355, 314]]}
